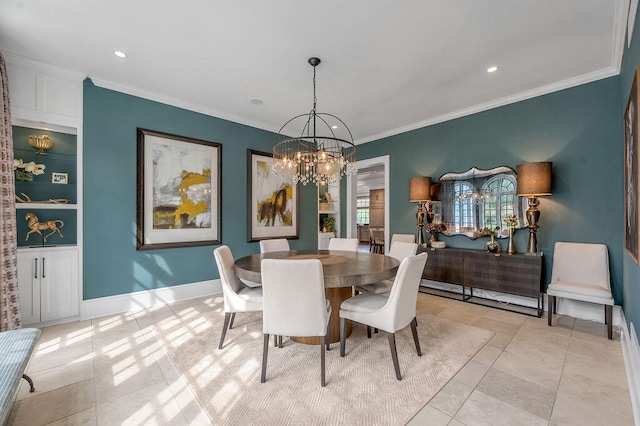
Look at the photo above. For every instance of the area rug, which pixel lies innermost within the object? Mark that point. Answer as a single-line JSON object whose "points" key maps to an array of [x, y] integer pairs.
{"points": [[361, 387]]}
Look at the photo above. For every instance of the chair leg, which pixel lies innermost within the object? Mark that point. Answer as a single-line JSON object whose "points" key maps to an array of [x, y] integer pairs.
{"points": [[28, 379], [265, 350], [608, 319], [233, 317], [414, 331], [327, 339], [280, 342], [552, 307], [368, 332], [394, 354], [227, 318], [343, 335], [322, 362]]}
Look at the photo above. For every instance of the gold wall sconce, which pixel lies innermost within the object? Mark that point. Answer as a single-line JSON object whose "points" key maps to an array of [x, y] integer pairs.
{"points": [[534, 180], [42, 144]]}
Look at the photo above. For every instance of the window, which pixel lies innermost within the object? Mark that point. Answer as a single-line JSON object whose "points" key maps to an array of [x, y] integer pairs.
{"points": [[502, 201], [463, 206], [362, 205]]}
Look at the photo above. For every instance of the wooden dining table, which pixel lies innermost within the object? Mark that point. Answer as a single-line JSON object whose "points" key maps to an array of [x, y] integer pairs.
{"points": [[343, 270]]}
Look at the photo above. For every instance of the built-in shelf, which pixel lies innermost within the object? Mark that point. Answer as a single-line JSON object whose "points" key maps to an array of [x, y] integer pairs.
{"points": [[46, 206]]}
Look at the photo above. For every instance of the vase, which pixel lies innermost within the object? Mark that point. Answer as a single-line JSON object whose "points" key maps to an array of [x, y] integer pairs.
{"points": [[432, 238], [23, 176], [511, 249], [492, 246]]}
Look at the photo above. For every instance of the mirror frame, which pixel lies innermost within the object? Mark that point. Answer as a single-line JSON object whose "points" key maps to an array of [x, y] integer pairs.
{"points": [[477, 177]]}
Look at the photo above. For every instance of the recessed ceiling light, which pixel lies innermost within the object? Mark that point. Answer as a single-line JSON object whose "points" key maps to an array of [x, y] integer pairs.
{"points": [[492, 69], [334, 127], [256, 101], [119, 54]]}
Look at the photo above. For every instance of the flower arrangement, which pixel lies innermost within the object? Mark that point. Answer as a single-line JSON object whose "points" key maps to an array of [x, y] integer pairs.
{"points": [[512, 221], [488, 232], [26, 171], [436, 227]]}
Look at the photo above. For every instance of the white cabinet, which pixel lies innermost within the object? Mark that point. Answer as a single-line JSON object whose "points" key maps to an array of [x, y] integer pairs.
{"points": [[48, 284]]}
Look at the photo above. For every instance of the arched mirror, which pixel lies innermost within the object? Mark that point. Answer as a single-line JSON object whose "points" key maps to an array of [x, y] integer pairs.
{"points": [[477, 199]]}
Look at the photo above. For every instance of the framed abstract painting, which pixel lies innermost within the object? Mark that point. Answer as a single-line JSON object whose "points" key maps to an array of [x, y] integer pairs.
{"points": [[631, 206], [272, 201], [178, 191]]}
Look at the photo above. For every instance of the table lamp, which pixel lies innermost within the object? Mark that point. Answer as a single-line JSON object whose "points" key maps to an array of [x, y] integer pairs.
{"points": [[420, 192], [534, 180]]}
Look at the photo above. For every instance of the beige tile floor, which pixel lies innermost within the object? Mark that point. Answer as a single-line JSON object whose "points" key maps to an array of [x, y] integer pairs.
{"points": [[113, 371]]}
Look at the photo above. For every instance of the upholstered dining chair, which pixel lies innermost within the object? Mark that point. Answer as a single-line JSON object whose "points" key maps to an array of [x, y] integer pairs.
{"points": [[294, 304], [399, 250], [389, 314], [238, 297], [406, 238], [278, 244], [580, 271], [346, 244]]}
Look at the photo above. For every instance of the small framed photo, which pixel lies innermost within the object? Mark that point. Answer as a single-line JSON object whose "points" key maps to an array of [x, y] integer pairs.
{"points": [[62, 178]]}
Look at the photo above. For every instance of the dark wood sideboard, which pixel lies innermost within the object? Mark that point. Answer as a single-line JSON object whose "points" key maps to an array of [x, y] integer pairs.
{"points": [[516, 274]]}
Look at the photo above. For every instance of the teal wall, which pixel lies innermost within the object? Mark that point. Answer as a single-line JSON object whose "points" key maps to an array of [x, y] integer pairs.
{"points": [[111, 263], [578, 129], [631, 275]]}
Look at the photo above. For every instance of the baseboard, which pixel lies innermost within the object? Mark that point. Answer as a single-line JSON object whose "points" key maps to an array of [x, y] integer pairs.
{"points": [[572, 308], [94, 308], [631, 355]]}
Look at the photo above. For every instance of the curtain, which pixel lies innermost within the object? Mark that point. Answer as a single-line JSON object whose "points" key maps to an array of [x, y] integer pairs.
{"points": [[9, 300]]}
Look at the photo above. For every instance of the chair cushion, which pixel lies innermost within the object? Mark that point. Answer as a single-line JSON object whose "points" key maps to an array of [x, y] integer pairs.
{"points": [[364, 303], [251, 294], [377, 288], [581, 291]]}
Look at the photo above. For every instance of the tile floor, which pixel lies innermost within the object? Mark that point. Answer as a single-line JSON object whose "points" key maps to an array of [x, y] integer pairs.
{"points": [[113, 371]]}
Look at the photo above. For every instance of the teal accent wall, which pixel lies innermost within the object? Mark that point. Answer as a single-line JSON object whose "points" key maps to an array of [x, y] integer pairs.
{"points": [[112, 265], [578, 129], [631, 273]]}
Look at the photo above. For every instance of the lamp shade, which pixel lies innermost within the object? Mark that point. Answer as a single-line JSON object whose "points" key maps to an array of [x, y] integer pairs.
{"points": [[534, 179], [419, 189]]}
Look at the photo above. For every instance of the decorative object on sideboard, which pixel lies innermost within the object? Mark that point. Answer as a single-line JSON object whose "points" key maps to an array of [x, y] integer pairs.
{"points": [[42, 144], [35, 226], [25, 199], [26, 171], [420, 192], [512, 222], [318, 155], [534, 180], [433, 229], [492, 245], [329, 225], [438, 244]]}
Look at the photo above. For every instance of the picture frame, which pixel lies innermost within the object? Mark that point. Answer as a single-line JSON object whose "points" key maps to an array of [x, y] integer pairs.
{"points": [[631, 161], [273, 202], [59, 178], [178, 191]]}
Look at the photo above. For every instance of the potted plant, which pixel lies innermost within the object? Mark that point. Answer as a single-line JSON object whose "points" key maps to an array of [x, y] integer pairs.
{"points": [[329, 225]]}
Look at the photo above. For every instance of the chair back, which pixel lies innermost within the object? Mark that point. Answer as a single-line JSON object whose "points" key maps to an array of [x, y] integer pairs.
{"points": [[293, 295], [407, 238], [279, 244], [399, 250], [231, 284], [581, 263], [400, 308], [345, 244]]}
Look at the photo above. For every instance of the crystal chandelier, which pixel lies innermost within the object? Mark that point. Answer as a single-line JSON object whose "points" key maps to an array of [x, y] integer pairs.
{"points": [[317, 155]]}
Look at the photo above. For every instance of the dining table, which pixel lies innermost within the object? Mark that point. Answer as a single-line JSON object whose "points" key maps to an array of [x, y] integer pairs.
{"points": [[342, 270]]}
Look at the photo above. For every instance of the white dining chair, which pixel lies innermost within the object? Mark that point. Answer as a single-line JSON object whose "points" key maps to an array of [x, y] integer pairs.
{"points": [[278, 244], [399, 250], [580, 271], [345, 244], [294, 304], [238, 297], [405, 238], [389, 314]]}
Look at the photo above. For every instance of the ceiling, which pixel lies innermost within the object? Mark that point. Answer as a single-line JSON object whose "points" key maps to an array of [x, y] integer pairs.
{"points": [[387, 67]]}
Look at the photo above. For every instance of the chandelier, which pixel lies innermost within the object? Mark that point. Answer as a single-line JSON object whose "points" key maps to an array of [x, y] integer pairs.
{"points": [[317, 155]]}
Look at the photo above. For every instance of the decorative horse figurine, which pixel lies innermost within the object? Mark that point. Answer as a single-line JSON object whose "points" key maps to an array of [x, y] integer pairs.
{"points": [[36, 226]]}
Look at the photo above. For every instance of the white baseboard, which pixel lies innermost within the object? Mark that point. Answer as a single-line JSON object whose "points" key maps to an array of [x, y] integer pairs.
{"points": [[631, 354], [94, 308]]}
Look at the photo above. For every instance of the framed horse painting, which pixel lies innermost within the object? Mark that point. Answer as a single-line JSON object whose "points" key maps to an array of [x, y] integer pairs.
{"points": [[272, 201], [178, 191]]}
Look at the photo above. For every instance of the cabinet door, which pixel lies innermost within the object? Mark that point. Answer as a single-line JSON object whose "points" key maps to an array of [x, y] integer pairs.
{"points": [[59, 285], [29, 272]]}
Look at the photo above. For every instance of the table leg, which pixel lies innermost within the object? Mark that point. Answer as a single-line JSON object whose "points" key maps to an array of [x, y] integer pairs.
{"points": [[335, 296]]}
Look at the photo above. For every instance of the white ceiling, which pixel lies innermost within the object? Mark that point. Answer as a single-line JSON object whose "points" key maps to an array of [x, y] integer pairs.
{"points": [[387, 66]]}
